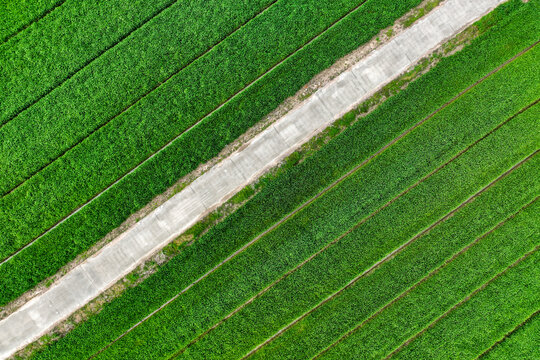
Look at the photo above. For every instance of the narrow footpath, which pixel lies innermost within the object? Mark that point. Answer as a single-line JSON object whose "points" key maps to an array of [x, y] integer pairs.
{"points": [[220, 183]]}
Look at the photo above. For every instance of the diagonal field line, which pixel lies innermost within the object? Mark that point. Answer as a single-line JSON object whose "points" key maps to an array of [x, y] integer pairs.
{"points": [[463, 301], [308, 202], [121, 39], [33, 21], [507, 335], [155, 87], [356, 226], [73, 73], [424, 279], [387, 257], [197, 123], [352, 171]]}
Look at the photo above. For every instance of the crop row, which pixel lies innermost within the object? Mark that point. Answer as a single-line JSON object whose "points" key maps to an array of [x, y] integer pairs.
{"points": [[364, 193], [446, 241], [522, 343], [247, 328], [142, 130], [480, 320], [280, 197], [183, 155], [60, 44], [15, 16], [174, 107], [406, 271], [115, 80], [333, 269]]}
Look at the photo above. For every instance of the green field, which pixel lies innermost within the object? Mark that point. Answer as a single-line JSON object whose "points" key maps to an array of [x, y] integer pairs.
{"points": [[411, 234], [428, 250], [521, 342], [16, 16], [107, 171]]}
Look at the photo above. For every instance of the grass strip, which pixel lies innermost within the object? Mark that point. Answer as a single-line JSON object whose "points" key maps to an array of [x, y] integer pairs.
{"points": [[124, 143], [326, 325], [121, 145], [141, 60], [295, 240], [17, 15], [465, 330], [522, 343], [422, 280], [62, 44], [443, 291], [153, 177], [281, 195], [326, 275]]}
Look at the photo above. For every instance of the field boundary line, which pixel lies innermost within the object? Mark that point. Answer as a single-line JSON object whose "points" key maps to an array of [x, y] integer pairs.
{"points": [[6, 39], [155, 87], [424, 279], [73, 73], [463, 301], [121, 177], [76, 210], [302, 206], [121, 39], [388, 257], [507, 335], [346, 233], [219, 106], [175, 138]]}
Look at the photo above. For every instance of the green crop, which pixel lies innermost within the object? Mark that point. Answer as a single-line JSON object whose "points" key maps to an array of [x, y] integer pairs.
{"points": [[334, 268], [480, 321], [61, 44], [283, 194], [172, 109], [53, 194], [520, 344], [498, 208], [125, 71], [17, 15], [442, 292]]}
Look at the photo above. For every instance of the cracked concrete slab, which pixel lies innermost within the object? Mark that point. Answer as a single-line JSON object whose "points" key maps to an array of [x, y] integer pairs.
{"points": [[342, 92], [221, 180]]}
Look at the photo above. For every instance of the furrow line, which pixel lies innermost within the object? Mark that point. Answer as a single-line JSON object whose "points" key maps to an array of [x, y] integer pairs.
{"points": [[507, 335], [35, 20], [388, 256], [371, 157], [73, 73], [308, 202], [424, 279], [467, 298], [156, 86], [356, 226], [187, 130]]}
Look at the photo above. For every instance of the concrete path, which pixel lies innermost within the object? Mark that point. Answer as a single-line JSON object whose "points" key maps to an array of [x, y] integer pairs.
{"points": [[213, 188]]}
